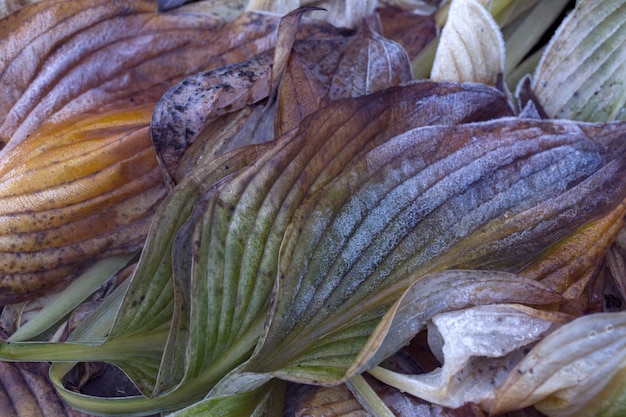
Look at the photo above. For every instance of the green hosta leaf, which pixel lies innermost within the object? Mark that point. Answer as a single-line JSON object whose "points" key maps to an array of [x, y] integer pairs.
{"points": [[233, 238], [265, 401], [493, 196], [581, 74], [471, 48], [576, 371]]}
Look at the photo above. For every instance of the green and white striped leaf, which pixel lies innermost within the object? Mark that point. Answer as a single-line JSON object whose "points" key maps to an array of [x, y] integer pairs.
{"points": [[581, 75]]}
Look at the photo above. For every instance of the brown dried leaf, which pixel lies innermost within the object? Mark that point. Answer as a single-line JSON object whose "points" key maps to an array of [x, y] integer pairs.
{"points": [[413, 31], [188, 108], [575, 257], [287, 31], [370, 63], [300, 95], [64, 58]]}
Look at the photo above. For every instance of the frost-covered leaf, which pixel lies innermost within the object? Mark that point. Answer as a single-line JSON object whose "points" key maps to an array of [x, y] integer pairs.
{"points": [[240, 223], [471, 48], [411, 207], [63, 58], [581, 73]]}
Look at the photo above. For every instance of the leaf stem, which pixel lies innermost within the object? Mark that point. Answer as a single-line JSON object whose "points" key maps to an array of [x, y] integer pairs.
{"points": [[71, 297], [367, 397]]}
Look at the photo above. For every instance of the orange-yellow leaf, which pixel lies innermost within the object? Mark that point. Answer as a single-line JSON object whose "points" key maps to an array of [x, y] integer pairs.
{"points": [[74, 192]]}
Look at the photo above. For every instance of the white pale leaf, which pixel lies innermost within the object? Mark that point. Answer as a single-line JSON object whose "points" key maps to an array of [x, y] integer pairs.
{"points": [[471, 48], [479, 346], [577, 370], [581, 75]]}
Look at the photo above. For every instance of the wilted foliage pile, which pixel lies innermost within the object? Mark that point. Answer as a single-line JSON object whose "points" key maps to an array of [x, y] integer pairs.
{"points": [[410, 208]]}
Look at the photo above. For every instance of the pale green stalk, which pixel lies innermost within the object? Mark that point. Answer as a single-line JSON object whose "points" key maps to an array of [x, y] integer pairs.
{"points": [[71, 297], [367, 397], [530, 30]]}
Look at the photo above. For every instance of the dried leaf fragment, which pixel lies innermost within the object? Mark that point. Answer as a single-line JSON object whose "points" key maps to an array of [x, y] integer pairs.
{"points": [[478, 347], [370, 63], [577, 370]]}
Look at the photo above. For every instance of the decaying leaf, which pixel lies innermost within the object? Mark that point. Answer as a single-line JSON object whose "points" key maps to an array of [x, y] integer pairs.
{"points": [[71, 193], [478, 347], [25, 391], [185, 110], [79, 80], [465, 54], [66, 58], [411, 30], [576, 371], [363, 64], [320, 199], [577, 255], [226, 250], [370, 63], [581, 74]]}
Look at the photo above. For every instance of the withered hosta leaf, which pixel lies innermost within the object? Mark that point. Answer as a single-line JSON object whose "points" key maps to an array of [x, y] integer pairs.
{"points": [[484, 195], [25, 391], [576, 371], [478, 347], [350, 65], [338, 401], [300, 94], [581, 73], [191, 106], [238, 225], [64, 58], [578, 254], [364, 63], [74, 192]]}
